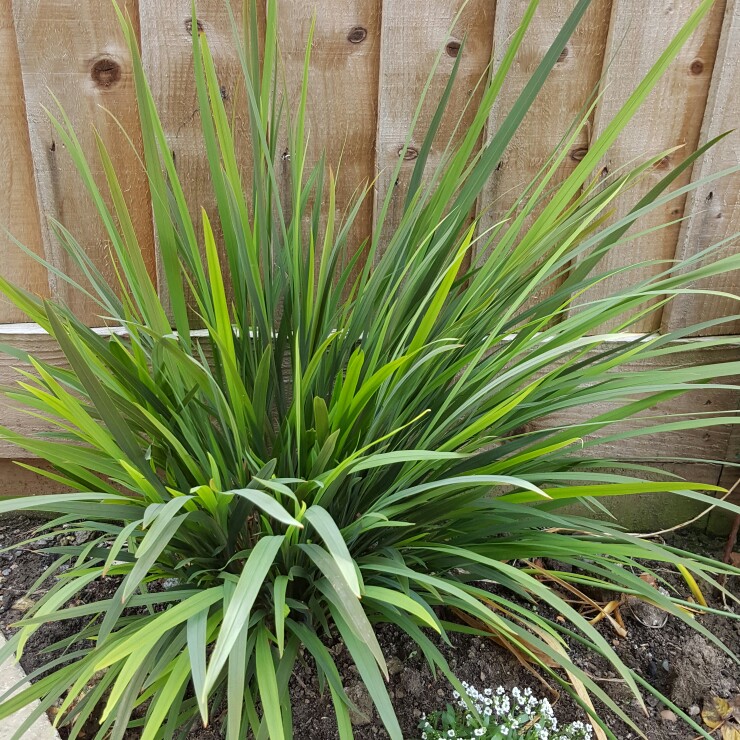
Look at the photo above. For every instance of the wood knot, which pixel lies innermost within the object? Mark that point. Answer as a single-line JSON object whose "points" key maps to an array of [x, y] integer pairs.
{"points": [[105, 72], [578, 154], [410, 154], [453, 48], [198, 24], [663, 164], [563, 55], [357, 35], [696, 67]]}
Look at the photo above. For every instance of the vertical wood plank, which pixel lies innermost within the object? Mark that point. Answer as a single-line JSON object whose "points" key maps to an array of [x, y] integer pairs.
{"points": [[564, 95], [671, 116], [720, 520], [343, 91], [714, 209], [76, 51], [412, 35], [167, 54], [19, 211], [730, 473]]}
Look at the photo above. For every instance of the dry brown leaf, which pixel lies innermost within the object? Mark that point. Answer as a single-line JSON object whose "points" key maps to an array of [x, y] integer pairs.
{"points": [[578, 685], [735, 559], [716, 711], [583, 598], [605, 611], [730, 732], [618, 617]]}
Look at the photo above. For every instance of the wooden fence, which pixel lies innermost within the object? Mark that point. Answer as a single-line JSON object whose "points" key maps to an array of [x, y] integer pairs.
{"points": [[370, 59]]}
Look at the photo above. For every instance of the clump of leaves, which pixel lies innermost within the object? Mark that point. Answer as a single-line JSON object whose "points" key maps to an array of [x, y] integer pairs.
{"points": [[722, 716], [331, 439]]}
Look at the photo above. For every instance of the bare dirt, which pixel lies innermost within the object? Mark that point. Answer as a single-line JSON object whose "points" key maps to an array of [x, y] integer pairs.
{"points": [[680, 663]]}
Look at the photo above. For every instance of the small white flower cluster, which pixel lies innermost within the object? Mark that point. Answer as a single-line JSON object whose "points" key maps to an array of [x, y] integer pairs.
{"points": [[499, 716]]}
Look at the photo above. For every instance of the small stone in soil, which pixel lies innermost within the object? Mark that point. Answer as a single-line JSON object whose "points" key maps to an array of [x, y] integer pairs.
{"points": [[23, 604], [395, 665]]}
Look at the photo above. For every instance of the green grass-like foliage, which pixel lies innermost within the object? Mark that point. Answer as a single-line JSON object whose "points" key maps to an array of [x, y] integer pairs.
{"points": [[340, 442]]}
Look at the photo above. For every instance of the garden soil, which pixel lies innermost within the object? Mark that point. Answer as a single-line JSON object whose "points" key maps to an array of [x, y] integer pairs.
{"points": [[681, 664]]}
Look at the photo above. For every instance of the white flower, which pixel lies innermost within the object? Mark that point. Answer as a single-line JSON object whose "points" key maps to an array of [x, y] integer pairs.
{"points": [[450, 733], [487, 692], [487, 711], [479, 732], [503, 730], [423, 736], [500, 690], [455, 695]]}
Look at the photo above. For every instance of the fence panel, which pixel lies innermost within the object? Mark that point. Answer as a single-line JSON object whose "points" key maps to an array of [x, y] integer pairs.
{"points": [[713, 209], [76, 53], [19, 212], [415, 34], [671, 117], [565, 97], [370, 61]]}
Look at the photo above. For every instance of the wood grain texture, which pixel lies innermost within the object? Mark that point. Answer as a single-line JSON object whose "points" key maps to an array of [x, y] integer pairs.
{"points": [[12, 416], [731, 473], [671, 116], [167, 53], [720, 521], [343, 93], [710, 443], [76, 51], [18, 481], [412, 36], [652, 512], [713, 210], [19, 211], [561, 101]]}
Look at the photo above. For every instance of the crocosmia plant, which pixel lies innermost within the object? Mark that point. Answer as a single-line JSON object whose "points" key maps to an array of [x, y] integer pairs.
{"points": [[288, 437]]}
